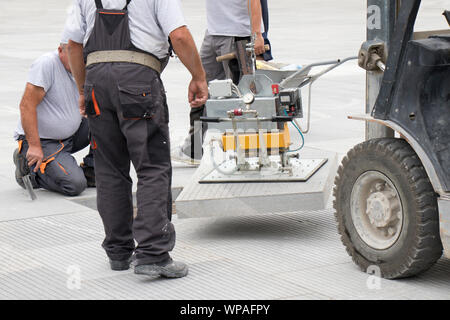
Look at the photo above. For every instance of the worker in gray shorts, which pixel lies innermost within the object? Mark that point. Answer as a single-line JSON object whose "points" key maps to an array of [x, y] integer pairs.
{"points": [[228, 21], [51, 129], [125, 47]]}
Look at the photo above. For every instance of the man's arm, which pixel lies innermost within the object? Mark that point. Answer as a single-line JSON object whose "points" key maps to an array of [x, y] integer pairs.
{"points": [[256, 17], [78, 69], [184, 46], [32, 97]]}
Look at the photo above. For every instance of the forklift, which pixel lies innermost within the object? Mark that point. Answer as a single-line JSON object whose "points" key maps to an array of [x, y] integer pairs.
{"points": [[392, 192]]}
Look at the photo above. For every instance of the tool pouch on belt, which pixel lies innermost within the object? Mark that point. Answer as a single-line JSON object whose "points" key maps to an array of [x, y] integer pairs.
{"points": [[140, 101]]}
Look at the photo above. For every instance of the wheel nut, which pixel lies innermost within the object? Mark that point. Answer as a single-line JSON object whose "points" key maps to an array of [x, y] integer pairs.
{"points": [[380, 186], [391, 231]]}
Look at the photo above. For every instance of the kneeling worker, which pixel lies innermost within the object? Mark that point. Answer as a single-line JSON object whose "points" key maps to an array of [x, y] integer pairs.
{"points": [[51, 128]]}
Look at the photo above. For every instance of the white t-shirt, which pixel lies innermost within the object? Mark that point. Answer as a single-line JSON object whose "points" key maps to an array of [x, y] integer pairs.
{"points": [[58, 114], [150, 21], [228, 18]]}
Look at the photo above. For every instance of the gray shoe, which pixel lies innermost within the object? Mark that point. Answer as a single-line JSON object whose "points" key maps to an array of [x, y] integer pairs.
{"points": [[120, 265], [21, 167], [173, 269]]}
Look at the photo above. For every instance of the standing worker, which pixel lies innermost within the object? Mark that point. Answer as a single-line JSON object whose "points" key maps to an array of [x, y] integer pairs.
{"points": [[228, 21], [125, 47]]}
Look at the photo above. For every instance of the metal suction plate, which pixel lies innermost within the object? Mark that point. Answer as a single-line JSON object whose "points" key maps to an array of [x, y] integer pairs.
{"points": [[302, 170]]}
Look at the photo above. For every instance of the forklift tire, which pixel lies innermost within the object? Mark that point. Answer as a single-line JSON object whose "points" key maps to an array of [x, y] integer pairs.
{"points": [[386, 209]]}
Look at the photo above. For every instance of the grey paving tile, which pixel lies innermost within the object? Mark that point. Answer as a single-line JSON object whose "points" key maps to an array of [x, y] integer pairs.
{"points": [[345, 281], [219, 279], [51, 231]]}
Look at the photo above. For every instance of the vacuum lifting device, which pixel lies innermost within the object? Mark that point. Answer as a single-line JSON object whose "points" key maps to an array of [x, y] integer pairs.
{"points": [[259, 140], [248, 166]]}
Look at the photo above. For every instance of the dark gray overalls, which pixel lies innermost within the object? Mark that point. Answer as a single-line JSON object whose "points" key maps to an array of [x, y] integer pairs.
{"points": [[128, 118]]}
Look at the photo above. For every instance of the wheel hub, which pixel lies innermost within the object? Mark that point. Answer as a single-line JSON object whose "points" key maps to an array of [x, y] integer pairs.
{"points": [[376, 210], [381, 208]]}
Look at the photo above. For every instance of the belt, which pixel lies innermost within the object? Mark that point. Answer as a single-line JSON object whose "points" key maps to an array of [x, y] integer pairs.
{"points": [[124, 56]]}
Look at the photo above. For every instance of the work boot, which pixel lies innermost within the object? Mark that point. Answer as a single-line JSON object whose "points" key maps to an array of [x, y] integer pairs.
{"points": [[120, 265], [171, 269], [89, 175], [22, 168]]}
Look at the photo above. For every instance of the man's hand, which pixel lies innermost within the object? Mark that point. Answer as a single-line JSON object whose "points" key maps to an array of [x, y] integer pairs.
{"points": [[259, 44], [198, 93], [35, 156]]}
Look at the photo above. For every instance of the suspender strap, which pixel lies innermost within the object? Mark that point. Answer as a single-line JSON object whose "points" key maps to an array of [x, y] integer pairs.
{"points": [[126, 6], [99, 4]]}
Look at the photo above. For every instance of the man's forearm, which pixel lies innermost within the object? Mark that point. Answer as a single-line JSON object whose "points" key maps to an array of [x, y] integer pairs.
{"points": [[256, 15], [184, 46], [30, 125], [28, 113], [76, 62]]}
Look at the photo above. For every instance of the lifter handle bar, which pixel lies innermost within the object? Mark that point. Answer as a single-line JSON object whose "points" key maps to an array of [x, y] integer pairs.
{"points": [[272, 119]]}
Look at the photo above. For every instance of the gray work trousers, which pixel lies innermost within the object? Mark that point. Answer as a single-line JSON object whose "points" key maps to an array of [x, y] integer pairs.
{"points": [[60, 171], [212, 47], [128, 119]]}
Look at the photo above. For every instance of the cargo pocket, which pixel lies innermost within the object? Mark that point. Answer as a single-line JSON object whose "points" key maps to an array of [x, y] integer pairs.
{"points": [[158, 143], [92, 108], [142, 102]]}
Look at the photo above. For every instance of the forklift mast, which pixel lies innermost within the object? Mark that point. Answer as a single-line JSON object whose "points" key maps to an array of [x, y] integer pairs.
{"points": [[381, 17]]}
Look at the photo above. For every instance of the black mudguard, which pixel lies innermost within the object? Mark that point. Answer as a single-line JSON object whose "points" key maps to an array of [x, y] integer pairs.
{"points": [[421, 100], [415, 91]]}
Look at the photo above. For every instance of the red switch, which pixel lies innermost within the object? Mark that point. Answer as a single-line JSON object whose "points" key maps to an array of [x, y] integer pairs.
{"points": [[275, 89]]}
